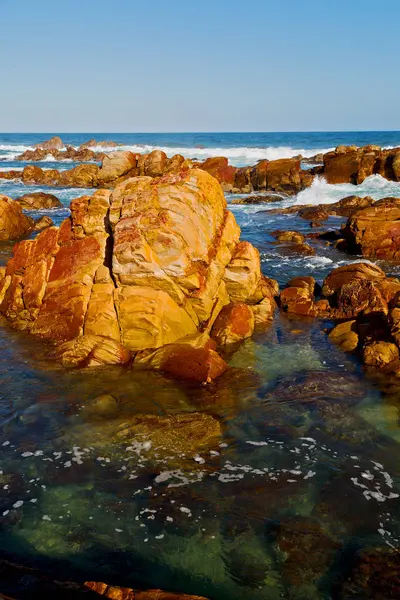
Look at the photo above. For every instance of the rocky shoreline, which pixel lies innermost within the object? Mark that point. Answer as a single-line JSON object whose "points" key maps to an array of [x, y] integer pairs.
{"points": [[150, 272], [347, 164]]}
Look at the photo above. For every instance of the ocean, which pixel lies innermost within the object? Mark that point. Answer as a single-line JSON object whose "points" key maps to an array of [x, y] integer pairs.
{"points": [[307, 472]]}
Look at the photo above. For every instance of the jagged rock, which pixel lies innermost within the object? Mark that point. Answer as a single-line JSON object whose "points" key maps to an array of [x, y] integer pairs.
{"points": [[13, 223], [38, 200], [54, 143], [219, 168], [375, 231], [138, 269], [380, 354], [361, 271]]}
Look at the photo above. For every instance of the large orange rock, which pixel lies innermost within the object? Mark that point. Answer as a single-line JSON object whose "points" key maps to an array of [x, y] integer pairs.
{"points": [[375, 231], [283, 175], [142, 269], [116, 164], [219, 168], [13, 223], [155, 163], [234, 323]]}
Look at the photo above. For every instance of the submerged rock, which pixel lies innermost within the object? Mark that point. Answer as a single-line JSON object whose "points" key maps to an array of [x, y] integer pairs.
{"points": [[118, 593], [375, 574]]}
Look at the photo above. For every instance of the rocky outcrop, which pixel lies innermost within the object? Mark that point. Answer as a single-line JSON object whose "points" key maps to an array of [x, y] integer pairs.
{"points": [[349, 164], [38, 200], [13, 223], [283, 176], [145, 268], [375, 231], [364, 302], [54, 143]]}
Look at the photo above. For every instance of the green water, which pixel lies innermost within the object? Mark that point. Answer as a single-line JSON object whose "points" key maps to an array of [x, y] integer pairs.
{"points": [[305, 471]]}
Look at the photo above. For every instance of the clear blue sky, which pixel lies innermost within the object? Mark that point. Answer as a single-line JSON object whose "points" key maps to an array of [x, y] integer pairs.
{"points": [[185, 65]]}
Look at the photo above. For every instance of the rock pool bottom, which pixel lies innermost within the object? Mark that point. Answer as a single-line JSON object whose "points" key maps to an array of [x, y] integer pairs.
{"points": [[305, 473]]}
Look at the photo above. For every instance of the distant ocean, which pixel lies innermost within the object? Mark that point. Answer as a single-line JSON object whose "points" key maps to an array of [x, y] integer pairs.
{"points": [[241, 148]]}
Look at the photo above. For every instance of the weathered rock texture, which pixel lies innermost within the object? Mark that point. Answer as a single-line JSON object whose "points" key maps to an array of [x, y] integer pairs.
{"points": [[364, 301], [283, 175], [349, 164], [146, 267], [13, 223]]}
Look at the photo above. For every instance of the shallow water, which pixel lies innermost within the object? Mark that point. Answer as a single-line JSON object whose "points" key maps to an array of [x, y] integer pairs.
{"points": [[304, 473]]}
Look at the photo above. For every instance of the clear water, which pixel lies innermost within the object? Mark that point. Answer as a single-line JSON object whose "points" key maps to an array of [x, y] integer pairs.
{"points": [[305, 473]]}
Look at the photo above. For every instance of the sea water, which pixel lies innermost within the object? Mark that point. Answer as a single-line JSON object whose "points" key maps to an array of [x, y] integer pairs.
{"points": [[306, 471]]}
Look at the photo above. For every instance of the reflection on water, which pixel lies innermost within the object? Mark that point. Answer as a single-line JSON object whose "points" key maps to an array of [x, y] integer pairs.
{"points": [[293, 467]]}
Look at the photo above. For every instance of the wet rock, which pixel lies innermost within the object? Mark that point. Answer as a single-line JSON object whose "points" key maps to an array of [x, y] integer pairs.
{"points": [[316, 386], [375, 573], [13, 223], [118, 593], [307, 552], [375, 231], [102, 144], [92, 351], [380, 354], [345, 335], [179, 434], [350, 273], [194, 359], [137, 269], [234, 323], [219, 168], [43, 223], [38, 200], [289, 236]]}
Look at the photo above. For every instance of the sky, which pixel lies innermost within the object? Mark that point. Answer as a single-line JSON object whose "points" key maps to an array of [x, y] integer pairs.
{"points": [[183, 65]]}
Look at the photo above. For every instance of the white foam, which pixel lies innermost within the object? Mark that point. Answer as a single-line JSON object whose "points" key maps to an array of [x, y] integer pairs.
{"points": [[321, 192]]}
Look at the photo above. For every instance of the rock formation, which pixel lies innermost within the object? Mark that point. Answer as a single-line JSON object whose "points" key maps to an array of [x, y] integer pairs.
{"points": [[13, 223], [140, 273], [38, 201], [366, 304]]}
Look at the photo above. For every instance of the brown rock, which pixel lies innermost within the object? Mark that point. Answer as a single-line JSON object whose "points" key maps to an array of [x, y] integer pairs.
{"points": [[13, 223], [118, 593], [219, 168], [360, 271], [155, 163], [38, 200], [375, 231], [116, 164], [43, 223], [342, 167], [375, 575], [92, 351], [345, 335], [234, 323], [288, 236], [54, 143], [380, 354], [284, 175]]}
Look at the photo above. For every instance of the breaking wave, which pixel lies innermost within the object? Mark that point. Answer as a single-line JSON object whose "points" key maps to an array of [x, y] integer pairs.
{"points": [[321, 192]]}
